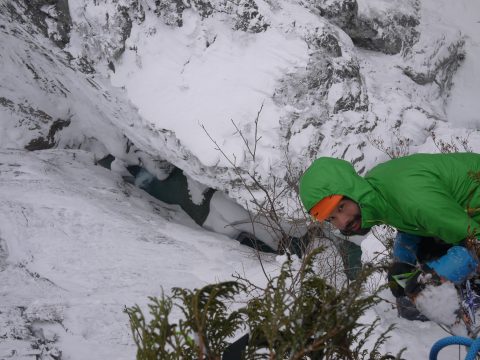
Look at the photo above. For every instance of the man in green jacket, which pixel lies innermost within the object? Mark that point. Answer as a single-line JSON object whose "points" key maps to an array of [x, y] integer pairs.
{"points": [[422, 196]]}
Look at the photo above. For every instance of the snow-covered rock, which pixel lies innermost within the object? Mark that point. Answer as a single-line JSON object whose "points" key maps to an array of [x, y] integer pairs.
{"points": [[48, 101], [274, 83], [291, 79]]}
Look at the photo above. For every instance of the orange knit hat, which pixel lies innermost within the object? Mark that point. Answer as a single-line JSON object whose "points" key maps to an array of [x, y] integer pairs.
{"points": [[324, 207]]}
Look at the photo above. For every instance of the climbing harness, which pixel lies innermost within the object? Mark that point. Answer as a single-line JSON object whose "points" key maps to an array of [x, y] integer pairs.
{"points": [[470, 304]]}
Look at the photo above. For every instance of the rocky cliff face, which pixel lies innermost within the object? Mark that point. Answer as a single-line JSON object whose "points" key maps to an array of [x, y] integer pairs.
{"points": [[373, 76], [50, 99], [52, 18], [389, 30], [276, 83]]}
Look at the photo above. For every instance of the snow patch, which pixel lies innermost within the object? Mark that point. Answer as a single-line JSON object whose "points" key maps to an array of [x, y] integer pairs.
{"points": [[196, 190], [440, 304], [195, 84]]}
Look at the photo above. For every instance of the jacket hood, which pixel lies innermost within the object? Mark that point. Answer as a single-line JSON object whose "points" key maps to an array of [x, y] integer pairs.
{"points": [[328, 176]]}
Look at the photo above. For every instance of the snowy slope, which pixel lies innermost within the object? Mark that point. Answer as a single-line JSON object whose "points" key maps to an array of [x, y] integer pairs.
{"points": [[77, 244]]}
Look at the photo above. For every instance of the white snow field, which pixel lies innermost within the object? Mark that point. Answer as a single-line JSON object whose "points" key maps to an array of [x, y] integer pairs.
{"points": [[78, 243]]}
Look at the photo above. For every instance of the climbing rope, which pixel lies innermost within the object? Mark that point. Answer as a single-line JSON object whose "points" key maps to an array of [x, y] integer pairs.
{"points": [[473, 344]]}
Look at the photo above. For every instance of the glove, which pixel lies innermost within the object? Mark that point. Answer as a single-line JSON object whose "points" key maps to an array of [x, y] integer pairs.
{"points": [[404, 270], [419, 281], [457, 265]]}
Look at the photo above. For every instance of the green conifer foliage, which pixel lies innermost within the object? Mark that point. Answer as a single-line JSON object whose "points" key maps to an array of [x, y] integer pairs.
{"points": [[207, 316], [200, 334], [297, 316], [300, 316]]}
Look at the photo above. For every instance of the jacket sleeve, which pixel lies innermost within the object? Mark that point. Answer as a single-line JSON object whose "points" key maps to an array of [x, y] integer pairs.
{"points": [[438, 214]]}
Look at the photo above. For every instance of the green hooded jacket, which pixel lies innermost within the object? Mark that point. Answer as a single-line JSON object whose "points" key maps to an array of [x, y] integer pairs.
{"points": [[432, 195]]}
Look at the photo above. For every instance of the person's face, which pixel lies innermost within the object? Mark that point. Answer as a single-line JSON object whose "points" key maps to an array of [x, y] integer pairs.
{"points": [[347, 218]]}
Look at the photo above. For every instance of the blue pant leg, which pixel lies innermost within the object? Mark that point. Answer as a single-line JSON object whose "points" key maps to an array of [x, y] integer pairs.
{"points": [[405, 248]]}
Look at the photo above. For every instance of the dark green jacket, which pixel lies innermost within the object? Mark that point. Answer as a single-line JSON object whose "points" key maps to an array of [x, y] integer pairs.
{"points": [[422, 194]]}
